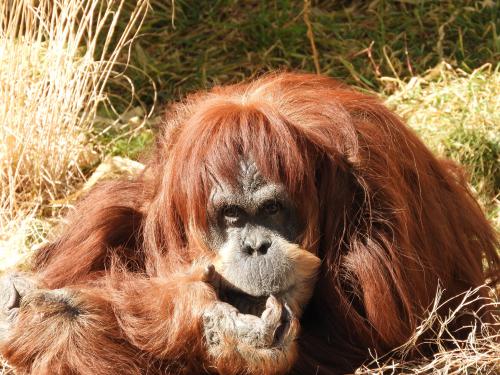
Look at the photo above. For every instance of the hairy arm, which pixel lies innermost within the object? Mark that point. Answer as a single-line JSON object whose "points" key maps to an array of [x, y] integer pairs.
{"points": [[124, 324], [180, 320], [130, 324], [161, 316], [62, 331]]}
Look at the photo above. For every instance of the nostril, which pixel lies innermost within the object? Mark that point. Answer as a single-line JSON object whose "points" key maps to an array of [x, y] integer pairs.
{"points": [[258, 249], [248, 249], [264, 246]]}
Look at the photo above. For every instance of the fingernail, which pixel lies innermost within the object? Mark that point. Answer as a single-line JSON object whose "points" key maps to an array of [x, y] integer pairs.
{"points": [[15, 298], [209, 272]]}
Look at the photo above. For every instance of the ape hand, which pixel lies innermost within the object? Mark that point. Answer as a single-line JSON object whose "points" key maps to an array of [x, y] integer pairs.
{"points": [[275, 328], [13, 288], [244, 342]]}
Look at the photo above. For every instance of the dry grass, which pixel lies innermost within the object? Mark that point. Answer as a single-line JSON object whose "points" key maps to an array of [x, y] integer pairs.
{"points": [[457, 114], [55, 60], [478, 354]]}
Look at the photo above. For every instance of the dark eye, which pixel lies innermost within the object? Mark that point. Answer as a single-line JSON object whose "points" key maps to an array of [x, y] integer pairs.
{"points": [[231, 212], [271, 207]]}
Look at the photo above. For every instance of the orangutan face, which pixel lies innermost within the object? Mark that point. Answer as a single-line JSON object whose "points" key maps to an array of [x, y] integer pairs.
{"points": [[251, 226]]}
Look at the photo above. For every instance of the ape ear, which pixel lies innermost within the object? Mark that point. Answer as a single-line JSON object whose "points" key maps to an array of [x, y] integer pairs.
{"points": [[107, 223]]}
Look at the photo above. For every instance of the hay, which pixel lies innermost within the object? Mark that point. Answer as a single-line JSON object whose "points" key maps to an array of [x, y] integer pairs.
{"points": [[55, 61], [479, 353]]}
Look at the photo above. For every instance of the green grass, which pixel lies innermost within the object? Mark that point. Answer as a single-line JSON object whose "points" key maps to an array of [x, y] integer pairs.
{"points": [[221, 41], [129, 135], [377, 46]]}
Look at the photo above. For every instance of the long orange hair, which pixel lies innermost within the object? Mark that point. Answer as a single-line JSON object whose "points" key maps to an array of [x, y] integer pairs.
{"points": [[389, 220]]}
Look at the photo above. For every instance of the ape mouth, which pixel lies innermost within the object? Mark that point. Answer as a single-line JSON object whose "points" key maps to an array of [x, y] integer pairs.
{"points": [[246, 303], [250, 282]]}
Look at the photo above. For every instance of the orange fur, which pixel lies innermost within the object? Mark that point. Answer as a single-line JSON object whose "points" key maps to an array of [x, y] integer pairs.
{"points": [[388, 220]]}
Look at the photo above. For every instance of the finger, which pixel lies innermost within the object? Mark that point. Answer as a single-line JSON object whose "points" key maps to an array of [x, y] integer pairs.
{"points": [[287, 329], [231, 321], [272, 301], [287, 312], [212, 277], [23, 283], [271, 316], [12, 314], [292, 332], [291, 325], [208, 273]]}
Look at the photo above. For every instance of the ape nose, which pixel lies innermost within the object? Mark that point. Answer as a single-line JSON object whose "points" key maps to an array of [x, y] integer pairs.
{"points": [[258, 247]]}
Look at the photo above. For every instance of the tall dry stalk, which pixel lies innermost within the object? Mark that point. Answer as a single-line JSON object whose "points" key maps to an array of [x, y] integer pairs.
{"points": [[55, 59]]}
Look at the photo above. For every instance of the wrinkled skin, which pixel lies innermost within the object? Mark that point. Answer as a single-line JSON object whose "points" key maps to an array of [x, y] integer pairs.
{"points": [[249, 225]]}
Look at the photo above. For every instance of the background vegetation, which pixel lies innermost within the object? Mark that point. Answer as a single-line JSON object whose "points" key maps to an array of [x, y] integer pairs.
{"points": [[436, 62], [82, 85]]}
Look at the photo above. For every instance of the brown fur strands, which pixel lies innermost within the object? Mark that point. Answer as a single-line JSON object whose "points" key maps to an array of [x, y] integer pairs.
{"points": [[61, 334], [387, 218]]}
